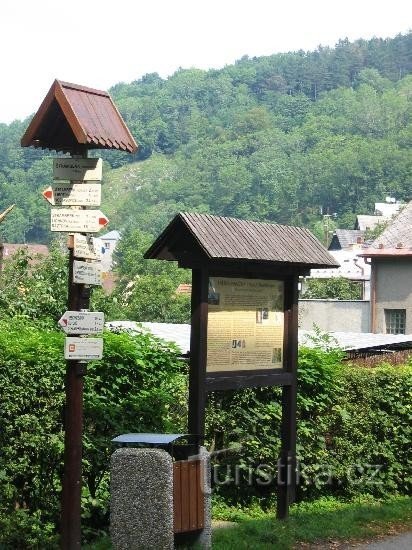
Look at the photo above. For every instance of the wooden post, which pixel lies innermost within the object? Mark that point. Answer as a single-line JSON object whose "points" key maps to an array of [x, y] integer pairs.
{"points": [[198, 354], [78, 299], [287, 459]]}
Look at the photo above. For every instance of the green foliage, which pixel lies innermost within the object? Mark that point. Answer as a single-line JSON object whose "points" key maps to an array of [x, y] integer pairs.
{"points": [[138, 386], [147, 288], [337, 288], [34, 287], [353, 432], [271, 138], [372, 234], [348, 420]]}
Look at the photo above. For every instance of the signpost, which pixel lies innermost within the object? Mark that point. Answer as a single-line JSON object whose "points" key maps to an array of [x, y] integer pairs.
{"points": [[73, 194], [62, 123], [83, 349], [72, 221]]}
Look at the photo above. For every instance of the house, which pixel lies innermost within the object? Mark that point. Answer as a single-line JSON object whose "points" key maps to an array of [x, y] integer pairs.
{"points": [[351, 267], [390, 257], [345, 238], [109, 243], [384, 212]]}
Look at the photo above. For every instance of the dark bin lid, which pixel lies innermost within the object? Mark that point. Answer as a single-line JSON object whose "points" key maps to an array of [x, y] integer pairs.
{"points": [[150, 439]]}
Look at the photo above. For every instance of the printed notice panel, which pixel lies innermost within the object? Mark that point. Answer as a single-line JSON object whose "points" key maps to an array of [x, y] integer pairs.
{"points": [[245, 324]]}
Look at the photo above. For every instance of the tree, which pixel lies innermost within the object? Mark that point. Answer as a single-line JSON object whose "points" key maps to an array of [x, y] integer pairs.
{"points": [[147, 289], [337, 288]]}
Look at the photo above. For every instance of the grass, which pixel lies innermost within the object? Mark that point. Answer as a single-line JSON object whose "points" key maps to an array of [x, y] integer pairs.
{"points": [[310, 522], [321, 520]]}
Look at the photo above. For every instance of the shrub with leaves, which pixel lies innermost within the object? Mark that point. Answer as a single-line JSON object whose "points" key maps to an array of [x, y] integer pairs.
{"points": [[139, 385], [354, 432]]}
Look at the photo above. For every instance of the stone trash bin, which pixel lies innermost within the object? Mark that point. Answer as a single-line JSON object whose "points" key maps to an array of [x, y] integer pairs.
{"points": [[159, 493]]}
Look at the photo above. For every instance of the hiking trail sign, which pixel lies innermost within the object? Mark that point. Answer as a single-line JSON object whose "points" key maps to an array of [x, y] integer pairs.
{"points": [[79, 169], [86, 246], [73, 194], [80, 221], [83, 349], [82, 322], [87, 273]]}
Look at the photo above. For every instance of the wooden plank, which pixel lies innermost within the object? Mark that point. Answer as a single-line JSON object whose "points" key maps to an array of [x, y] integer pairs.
{"points": [[193, 491], [177, 497], [200, 495], [185, 491]]}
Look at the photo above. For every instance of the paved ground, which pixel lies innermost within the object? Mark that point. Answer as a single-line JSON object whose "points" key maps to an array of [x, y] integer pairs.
{"points": [[398, 542]]}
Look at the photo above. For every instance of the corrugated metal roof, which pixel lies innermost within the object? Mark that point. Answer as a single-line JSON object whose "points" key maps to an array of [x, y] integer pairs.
{"points": [[348, 341], [351, 341], [73, 115], [233, 239]]}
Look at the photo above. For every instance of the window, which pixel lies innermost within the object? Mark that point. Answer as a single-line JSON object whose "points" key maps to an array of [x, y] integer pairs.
{"points": [[395, 320]]}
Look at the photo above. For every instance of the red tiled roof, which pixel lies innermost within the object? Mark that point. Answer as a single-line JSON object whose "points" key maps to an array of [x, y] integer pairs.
{"points": [[386, 252], [73, 116], [10, 249]]}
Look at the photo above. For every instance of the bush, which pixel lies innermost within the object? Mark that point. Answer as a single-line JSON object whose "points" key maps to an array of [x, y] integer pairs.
{"points": [[354, 433], [138, 386], [348, 418]]}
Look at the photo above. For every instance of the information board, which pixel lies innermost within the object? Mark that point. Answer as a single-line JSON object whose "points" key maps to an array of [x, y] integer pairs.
{"points": [[245, 324]]}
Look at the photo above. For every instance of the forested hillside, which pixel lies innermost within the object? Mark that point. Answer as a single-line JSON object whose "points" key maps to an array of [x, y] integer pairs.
{"points": [[279, 138]]}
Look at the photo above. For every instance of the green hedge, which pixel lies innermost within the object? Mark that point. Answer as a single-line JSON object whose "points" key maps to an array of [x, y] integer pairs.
{"points": [[354, 432], [139, 386], [348, 418]]}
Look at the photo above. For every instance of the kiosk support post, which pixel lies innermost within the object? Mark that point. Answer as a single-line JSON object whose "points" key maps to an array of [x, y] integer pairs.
{"points": [[198, 354], [287, 459]]}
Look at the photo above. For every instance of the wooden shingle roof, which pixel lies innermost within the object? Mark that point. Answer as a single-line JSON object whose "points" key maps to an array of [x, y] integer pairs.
{"points": [[72, 116], [220, 238]]}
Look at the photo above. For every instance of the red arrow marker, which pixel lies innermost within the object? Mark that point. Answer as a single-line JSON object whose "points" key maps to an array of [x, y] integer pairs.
{"points": [[48, 195], [103, 221]]}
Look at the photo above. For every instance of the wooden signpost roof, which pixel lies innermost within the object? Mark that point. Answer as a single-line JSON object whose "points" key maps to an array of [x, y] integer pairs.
{"points": [[72, 116], [193, 237]]}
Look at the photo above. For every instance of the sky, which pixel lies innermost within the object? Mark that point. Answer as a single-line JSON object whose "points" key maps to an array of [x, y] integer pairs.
{"points": [[98, 43]]}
